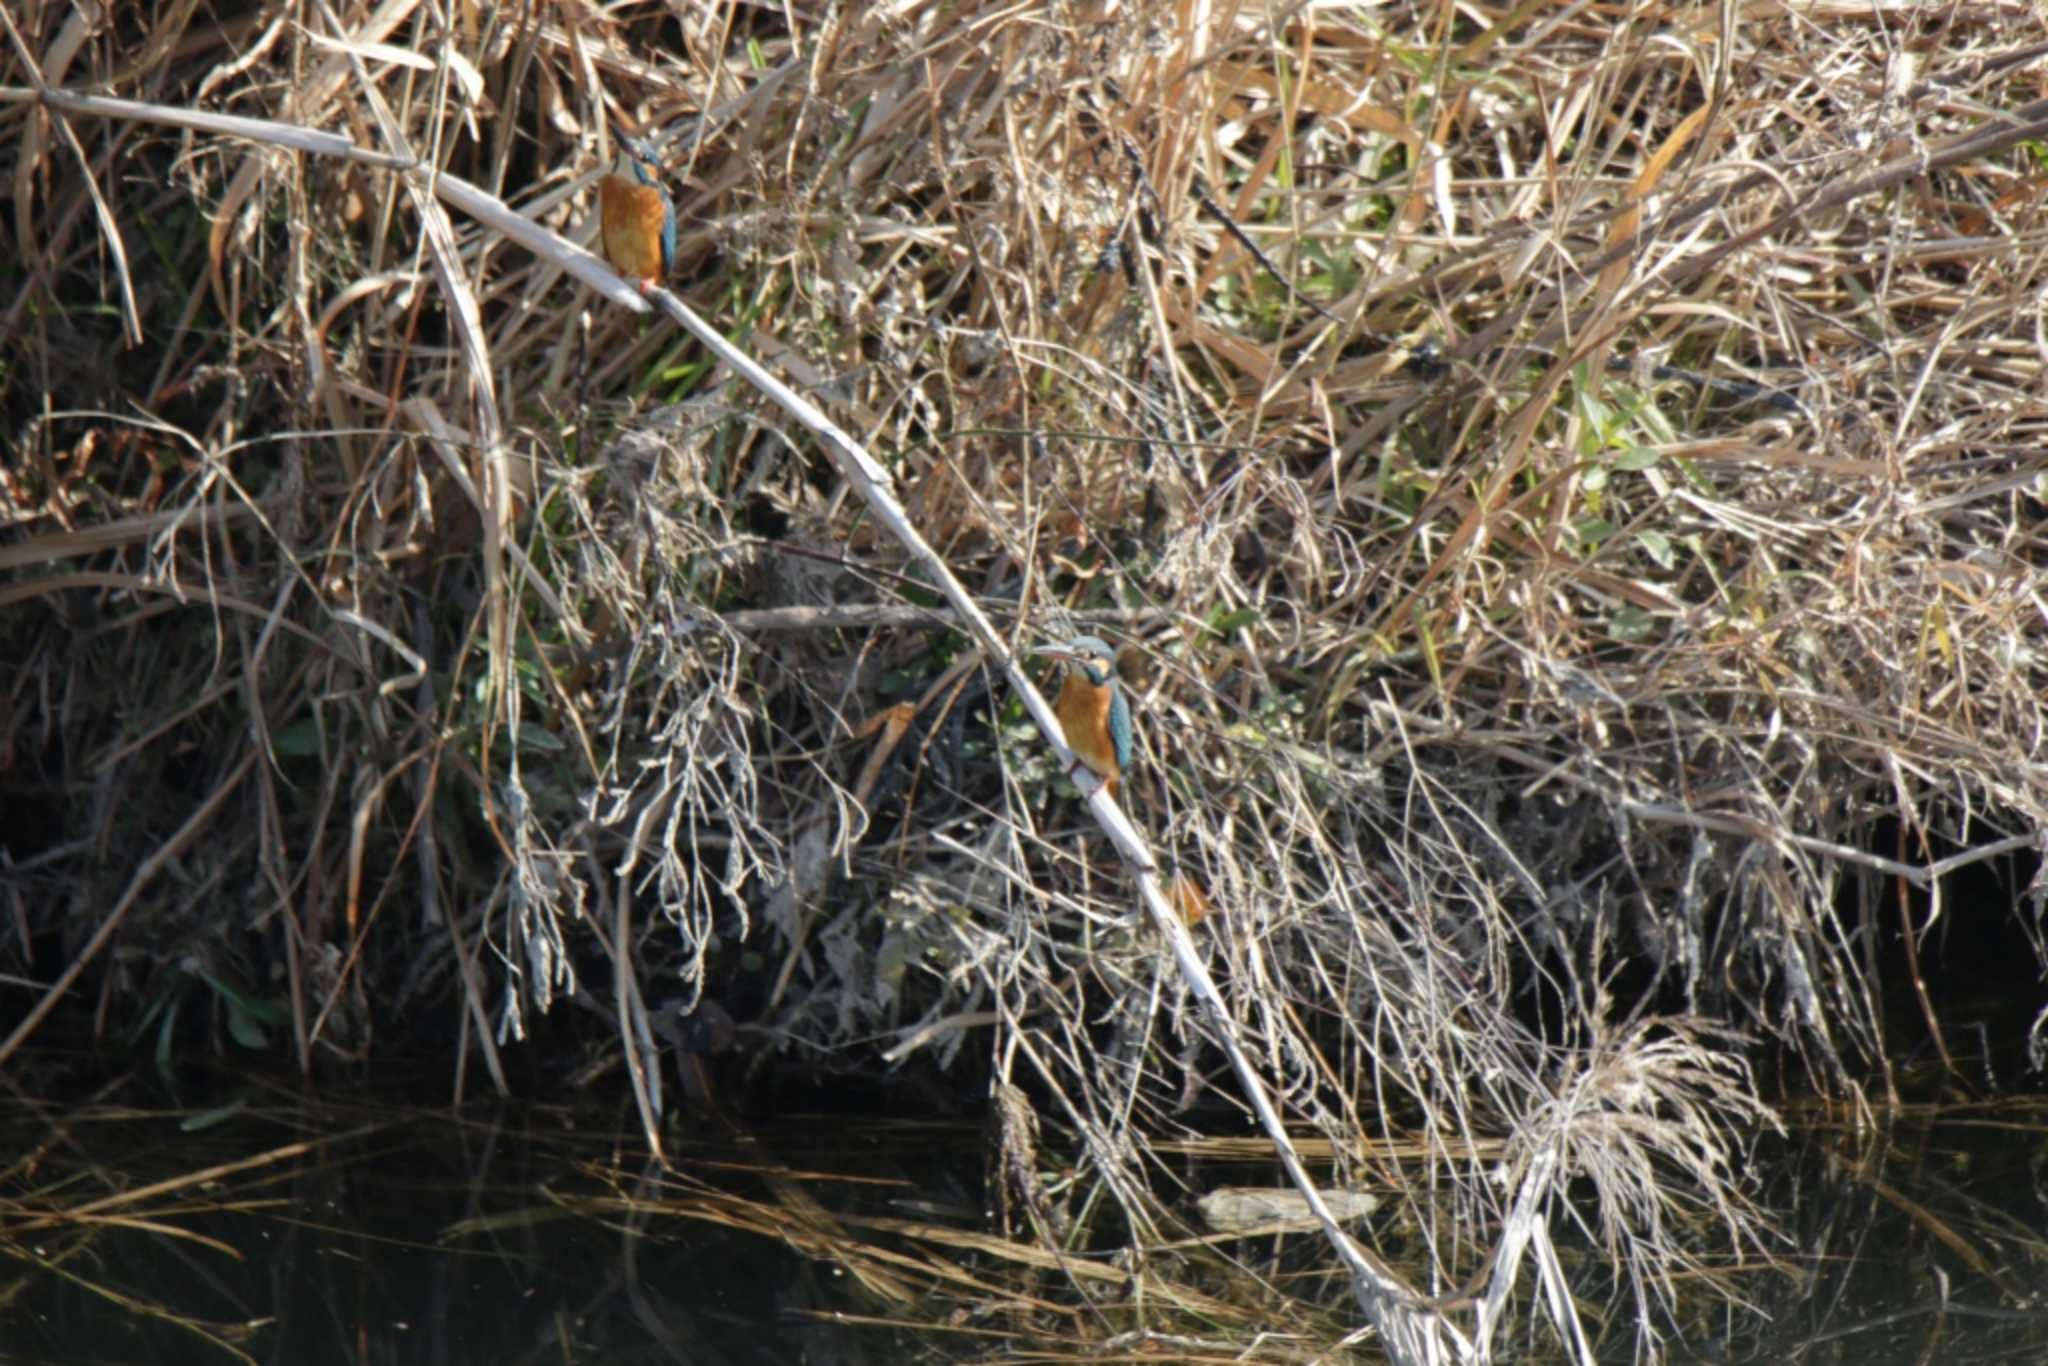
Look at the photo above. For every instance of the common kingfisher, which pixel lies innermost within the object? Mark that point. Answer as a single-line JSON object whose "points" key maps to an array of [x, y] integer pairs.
{"points": [[1094, 713], [639, 221]]}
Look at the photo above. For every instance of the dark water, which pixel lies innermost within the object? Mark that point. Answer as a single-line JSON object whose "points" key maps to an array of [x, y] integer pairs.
{"points": [[317, 1231], [1922, 1238], [346, 1234]]}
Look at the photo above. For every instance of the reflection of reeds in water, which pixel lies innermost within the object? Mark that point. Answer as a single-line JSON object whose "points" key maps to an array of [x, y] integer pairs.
{"points": [[541, 1237]]}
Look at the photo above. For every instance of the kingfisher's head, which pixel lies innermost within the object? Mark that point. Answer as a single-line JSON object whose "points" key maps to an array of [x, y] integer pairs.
{"points": [[1092, 656]]}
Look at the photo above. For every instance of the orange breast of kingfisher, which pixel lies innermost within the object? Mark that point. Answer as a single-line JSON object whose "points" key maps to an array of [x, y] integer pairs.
{"points": [[633, 216], [1083, 709]]}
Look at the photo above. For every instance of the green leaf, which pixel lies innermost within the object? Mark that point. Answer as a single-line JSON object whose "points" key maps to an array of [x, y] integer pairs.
{"points": [[539, 738], [1225, 623], [1631, 623], [246, 1031], [299, 740], [163, 1044], [208, 1119], [240, 1000]]}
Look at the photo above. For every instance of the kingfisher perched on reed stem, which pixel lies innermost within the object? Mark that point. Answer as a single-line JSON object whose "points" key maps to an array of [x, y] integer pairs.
{"points": [[1094, 713], [639, 221]]}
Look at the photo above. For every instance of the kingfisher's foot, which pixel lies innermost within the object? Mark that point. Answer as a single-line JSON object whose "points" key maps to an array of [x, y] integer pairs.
{"points": [[1076, 769]]}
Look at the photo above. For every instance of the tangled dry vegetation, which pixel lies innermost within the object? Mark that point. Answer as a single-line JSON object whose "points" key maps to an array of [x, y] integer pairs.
{"points": [[1561, 481]]}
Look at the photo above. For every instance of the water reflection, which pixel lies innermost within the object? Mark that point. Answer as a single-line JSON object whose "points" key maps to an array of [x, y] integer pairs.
{"points": [[313, 1232]]}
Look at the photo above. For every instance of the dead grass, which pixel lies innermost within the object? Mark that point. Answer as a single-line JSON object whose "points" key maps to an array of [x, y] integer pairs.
{"points": [[501, 641]]}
